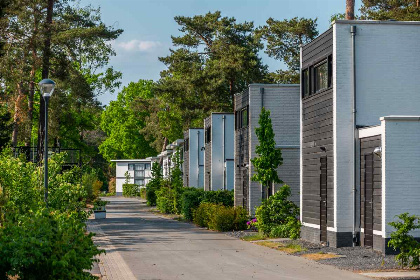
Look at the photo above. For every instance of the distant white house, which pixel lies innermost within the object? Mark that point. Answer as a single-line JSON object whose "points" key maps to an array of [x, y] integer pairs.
{"points": [[139, 171], [167, 157]]}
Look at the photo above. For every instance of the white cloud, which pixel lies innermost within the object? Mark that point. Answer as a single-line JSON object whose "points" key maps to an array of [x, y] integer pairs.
{"points": [[138, 45]]}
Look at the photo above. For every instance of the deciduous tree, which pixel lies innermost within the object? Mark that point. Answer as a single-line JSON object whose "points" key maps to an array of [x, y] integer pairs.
{"points": [[269, 158]]}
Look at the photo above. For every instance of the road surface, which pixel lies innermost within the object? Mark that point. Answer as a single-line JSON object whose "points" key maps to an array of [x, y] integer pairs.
{"points": [[142, 245]]}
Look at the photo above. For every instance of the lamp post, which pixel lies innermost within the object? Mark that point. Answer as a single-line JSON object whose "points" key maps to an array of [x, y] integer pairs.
{"points": [[46, 87]]}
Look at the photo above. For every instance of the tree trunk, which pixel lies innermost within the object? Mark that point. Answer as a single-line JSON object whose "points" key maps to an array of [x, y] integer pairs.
{"points": [[16, 116], [45, 72], [232, 92], [350, 9], [31, 93]]}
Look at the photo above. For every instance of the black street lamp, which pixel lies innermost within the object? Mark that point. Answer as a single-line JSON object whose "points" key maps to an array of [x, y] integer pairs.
{"points": [[46, 87]]}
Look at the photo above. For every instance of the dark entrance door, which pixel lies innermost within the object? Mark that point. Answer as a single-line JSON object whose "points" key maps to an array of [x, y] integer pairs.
{"points": [[245, 189], [323, 200], [368, 230]]}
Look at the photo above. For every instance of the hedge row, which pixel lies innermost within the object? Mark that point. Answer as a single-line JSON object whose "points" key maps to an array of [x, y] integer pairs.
{"points": [[220, 217]]}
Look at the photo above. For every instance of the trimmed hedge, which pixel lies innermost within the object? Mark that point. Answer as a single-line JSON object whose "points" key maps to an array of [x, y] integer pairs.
{"points": [[190, 200], [131, 190], [220, 217]]}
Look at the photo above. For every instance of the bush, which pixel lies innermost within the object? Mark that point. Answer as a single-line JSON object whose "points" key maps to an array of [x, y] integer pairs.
{"points": [[131, 190], [112, 185], [291, 229], [88, 181], [46, 245], [190, 201], [401, 240], [225, 198], [154, 185], [97, 185], [143, 193], [41, 243], [203, 213], [220, 218], [280, 213]]}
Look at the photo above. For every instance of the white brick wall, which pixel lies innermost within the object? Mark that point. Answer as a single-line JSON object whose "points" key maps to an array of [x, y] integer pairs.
{"points": [[401, 169], [283, 101], [387, 67]]}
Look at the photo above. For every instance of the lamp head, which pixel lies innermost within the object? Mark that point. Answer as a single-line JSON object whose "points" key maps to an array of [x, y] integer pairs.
{"points": [[46, 86]]}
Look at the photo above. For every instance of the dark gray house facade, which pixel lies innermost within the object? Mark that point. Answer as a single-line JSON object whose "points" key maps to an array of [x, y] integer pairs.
{"points": [[283, 103], [355, 174]]}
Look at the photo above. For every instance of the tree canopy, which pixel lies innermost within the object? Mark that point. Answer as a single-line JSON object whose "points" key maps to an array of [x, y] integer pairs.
{"points": [[284, 38], [122, 124], [214, 58]]}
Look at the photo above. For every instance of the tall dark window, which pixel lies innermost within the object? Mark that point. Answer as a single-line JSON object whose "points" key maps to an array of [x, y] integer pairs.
{"points": [[187, 144], [208, 134], [244, 117], [321, 76], [305, 83]]}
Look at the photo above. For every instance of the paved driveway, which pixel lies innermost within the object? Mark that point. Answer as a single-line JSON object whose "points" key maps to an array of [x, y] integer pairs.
{"points": [[142, 245]]}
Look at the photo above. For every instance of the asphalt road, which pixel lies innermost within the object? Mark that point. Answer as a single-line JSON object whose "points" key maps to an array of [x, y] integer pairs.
{"points": [[142, 245]]}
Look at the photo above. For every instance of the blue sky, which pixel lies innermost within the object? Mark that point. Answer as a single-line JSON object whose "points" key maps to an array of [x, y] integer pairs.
{"points": [[148, 26]]}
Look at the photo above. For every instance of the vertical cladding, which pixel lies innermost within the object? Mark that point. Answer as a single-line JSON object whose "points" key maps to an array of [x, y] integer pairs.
{"points": [[241, 155], [283, 103], [317, 132], [186, 161], [367, 145], [207, 156]]}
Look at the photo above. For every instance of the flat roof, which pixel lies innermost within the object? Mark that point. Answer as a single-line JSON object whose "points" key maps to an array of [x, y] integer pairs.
{"points": [[343, 21], [131, 160]]}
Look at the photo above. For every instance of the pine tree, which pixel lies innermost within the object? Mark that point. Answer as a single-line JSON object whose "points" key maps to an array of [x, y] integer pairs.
{"points": [[284, 38], [269, 158]]}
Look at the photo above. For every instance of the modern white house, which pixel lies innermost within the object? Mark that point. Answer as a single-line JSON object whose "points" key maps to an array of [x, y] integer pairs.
{"points": [[283, 103], [193, 158], [139, 171], [167, 157], [360, 132], [219, 168]]}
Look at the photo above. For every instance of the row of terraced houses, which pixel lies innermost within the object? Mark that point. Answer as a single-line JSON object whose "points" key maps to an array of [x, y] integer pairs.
{"points": [[349, 135]]}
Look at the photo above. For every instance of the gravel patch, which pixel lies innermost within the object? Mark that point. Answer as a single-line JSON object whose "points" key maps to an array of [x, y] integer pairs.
{"points": [[351, 258]]}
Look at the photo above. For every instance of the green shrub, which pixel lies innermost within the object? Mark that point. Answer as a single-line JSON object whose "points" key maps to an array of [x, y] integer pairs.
{"points": [[165, 200], [203, 213], [190, 200], [131, 190], [112, 185], [402, 241], [291, 229], [224, 218], [46, 245], [154, 185], [143, 193], [88, 181], [220, 217], [225, 198], [280, 213]]}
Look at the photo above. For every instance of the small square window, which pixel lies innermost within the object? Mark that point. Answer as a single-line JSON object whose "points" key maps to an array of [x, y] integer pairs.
{"points": [[139, 182], [147, 166], [131, 167], [138, 173], [139, 166]]}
